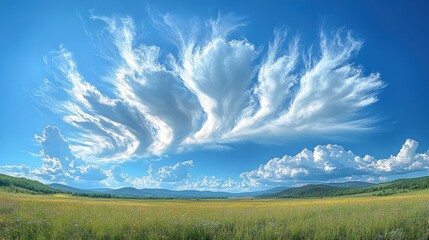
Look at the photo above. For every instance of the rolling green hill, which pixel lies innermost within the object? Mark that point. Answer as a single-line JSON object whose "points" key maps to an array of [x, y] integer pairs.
{"points": [[310, 190], [23, 185], [382, 189], [350, 184]]}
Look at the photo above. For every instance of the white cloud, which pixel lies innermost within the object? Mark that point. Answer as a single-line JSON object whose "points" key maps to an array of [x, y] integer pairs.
{"points": [[323, 163], [332, 90], [330, 162], [117, 174], [106, 127], [58, 163], [144, 182], [212, 92], [173, 176], [407, 160], [212, 183], [272, 94], [61, 166], [219, 74], [15, 170]]}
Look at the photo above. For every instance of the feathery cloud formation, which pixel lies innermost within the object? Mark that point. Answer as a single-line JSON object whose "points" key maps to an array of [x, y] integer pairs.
{"points": [[215, 90]]}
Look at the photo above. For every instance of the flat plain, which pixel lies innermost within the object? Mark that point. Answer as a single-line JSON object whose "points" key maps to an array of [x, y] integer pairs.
{"points": [[61, 216]]}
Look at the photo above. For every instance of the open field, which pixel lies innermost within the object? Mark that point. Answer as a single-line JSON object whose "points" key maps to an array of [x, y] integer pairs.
{"points": [[402, 216]]}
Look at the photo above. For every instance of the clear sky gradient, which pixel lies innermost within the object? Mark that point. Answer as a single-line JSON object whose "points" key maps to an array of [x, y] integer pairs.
{"points": [[214, 95]]}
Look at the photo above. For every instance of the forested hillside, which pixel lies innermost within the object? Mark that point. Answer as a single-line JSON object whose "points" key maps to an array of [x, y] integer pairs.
{"points": [[23, 185], [382, 189]]}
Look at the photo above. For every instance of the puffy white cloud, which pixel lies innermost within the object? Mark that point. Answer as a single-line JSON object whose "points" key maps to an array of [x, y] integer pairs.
{"points": [[213, 91], [323, 163], [143, 182], [58, 162], [60, 165], [330, 162], [174, 174], [212, 183], [53, 144], [90, 172], [407, 160]]}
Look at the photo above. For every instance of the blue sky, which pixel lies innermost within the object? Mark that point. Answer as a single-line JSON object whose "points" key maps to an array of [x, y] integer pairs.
{"points": [[213, 95]]}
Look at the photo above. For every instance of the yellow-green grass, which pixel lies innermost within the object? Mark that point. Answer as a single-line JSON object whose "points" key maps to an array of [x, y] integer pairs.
{"points": [[401, 216]]}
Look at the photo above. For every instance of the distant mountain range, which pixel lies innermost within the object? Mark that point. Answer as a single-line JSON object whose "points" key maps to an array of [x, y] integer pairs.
{"points": [[165, 193], [162, 193], [14, 184], [65, 188]]}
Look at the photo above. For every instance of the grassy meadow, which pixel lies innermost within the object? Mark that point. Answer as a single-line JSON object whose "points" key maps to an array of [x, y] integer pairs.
{"points": [[401, 216]]}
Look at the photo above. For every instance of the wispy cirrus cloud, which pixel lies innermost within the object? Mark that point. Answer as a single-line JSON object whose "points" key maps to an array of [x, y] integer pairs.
{"points": [[215, 90]]}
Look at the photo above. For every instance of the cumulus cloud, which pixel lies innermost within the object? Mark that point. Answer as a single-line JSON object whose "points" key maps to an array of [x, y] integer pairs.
{"points": [[407, 160], [58, 162], [323, 163], [214, 90], [212, 183], [330, 162], [172, 175]]}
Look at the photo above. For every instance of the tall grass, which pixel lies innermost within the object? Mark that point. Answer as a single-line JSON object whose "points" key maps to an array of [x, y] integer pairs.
{"points": [[403, 216]]}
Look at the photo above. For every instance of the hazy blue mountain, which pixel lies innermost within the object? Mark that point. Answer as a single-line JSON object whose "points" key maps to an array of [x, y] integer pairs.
{"points": [[66, 188], [147, 192], [310, 190], [100, 189], [164, 193]]}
